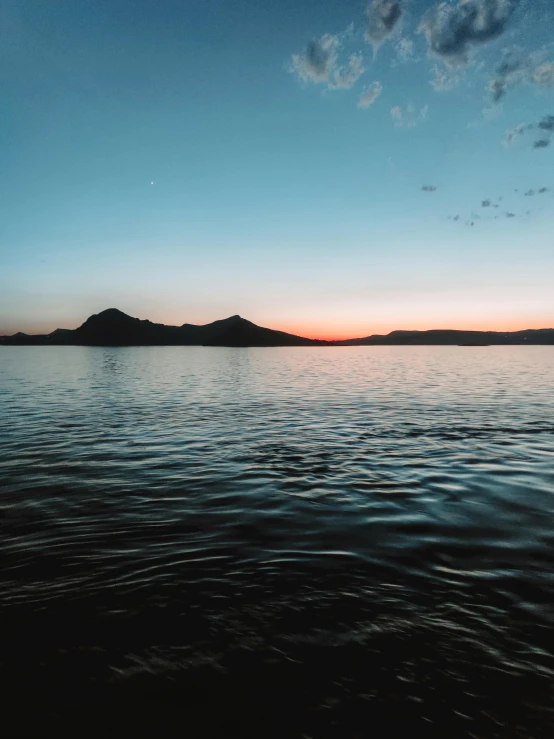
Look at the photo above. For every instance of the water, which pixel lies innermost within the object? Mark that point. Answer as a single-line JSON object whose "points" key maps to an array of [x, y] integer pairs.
{"points": [[291, 542]]}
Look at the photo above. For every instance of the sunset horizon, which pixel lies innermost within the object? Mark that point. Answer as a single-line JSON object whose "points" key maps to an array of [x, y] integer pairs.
{"points": [[277, 368], [359, 329], [321, 178]]}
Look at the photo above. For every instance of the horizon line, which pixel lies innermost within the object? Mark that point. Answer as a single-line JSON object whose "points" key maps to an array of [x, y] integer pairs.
{"points": [[312, 338]]}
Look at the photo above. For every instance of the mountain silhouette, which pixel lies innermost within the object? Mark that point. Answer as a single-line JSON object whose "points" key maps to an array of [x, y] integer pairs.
{"points": [[112, 327], [455, 338]]}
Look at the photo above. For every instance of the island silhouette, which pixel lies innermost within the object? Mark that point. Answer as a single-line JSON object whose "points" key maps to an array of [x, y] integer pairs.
{"points": [[112, 327]]}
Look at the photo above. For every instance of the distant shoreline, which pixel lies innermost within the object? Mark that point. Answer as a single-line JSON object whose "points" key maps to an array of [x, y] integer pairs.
{"points": [[112, 327], [328, 345]]}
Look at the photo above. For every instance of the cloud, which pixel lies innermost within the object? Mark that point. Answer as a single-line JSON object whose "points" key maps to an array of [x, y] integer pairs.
{"points": [[428, 188], [497, 88], [491, 113], [510, 215], [410, 117], [486, 204], [529, 193], [543, 75], [444, 80], [547, 124], [543, 190], [514, 133], [396, 113], [456, 218], [345, 77], [318, 64], [453, 29], [382, 18], [370, 95], [405, 49], [518, 67], [509, 73], [318, 61]]}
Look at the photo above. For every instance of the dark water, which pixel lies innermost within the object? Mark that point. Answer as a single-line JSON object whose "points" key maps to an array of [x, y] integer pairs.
{"points": [[349, 542]]}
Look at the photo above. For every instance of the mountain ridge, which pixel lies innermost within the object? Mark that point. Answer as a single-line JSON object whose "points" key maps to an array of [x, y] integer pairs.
{"points": [[112, 327], [456, 337]]}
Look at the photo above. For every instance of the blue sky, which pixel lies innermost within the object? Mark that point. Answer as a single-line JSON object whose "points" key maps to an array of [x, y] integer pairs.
{"points": [[288, 144]]}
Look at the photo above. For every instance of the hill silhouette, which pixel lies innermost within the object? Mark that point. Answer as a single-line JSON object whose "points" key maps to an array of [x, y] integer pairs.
{"points": [[112, 327], [456, 338]]}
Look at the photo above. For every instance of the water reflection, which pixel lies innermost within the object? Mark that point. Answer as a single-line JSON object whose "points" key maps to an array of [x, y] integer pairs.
{"points": [[315, 540]]}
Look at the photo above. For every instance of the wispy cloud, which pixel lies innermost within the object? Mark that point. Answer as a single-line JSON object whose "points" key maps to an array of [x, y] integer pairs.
{"points": [[452, 30], [510, 72], [444, 79], [370, 95], [497, 89], [518, 67], [319, 64], [512, 134], [543, 75], [486, 204], [382, 18], [547, 124], [344, 78], [318, 61], [396, 113], [405, 48], [428, 188], [410, 117]]}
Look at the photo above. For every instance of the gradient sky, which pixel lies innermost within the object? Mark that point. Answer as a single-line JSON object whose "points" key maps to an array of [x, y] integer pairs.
{"points": [[187, 160]]}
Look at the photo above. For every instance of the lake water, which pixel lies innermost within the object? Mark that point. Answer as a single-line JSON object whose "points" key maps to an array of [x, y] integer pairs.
{"points": [[290, 542]]}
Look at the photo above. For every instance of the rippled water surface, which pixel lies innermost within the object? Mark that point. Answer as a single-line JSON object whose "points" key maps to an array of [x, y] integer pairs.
{"points": [[291, 542]]}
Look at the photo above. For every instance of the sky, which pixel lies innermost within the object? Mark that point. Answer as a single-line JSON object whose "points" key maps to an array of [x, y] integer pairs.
{"points": [[330, 168]]}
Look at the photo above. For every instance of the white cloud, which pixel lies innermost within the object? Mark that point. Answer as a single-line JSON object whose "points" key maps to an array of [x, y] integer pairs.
{"points": [[382, 18], [319, 60], [370, 95], [513, 69], [444, 80], [410, 117], [543, 75], [345, 77], [396, 113], [452, 29], [319, 64], [405, 48], [512, 134]]}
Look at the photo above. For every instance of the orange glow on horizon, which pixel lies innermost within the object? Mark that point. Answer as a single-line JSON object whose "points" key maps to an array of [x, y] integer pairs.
{"points": [[322, 334], [333, 329], [359, 332]]}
